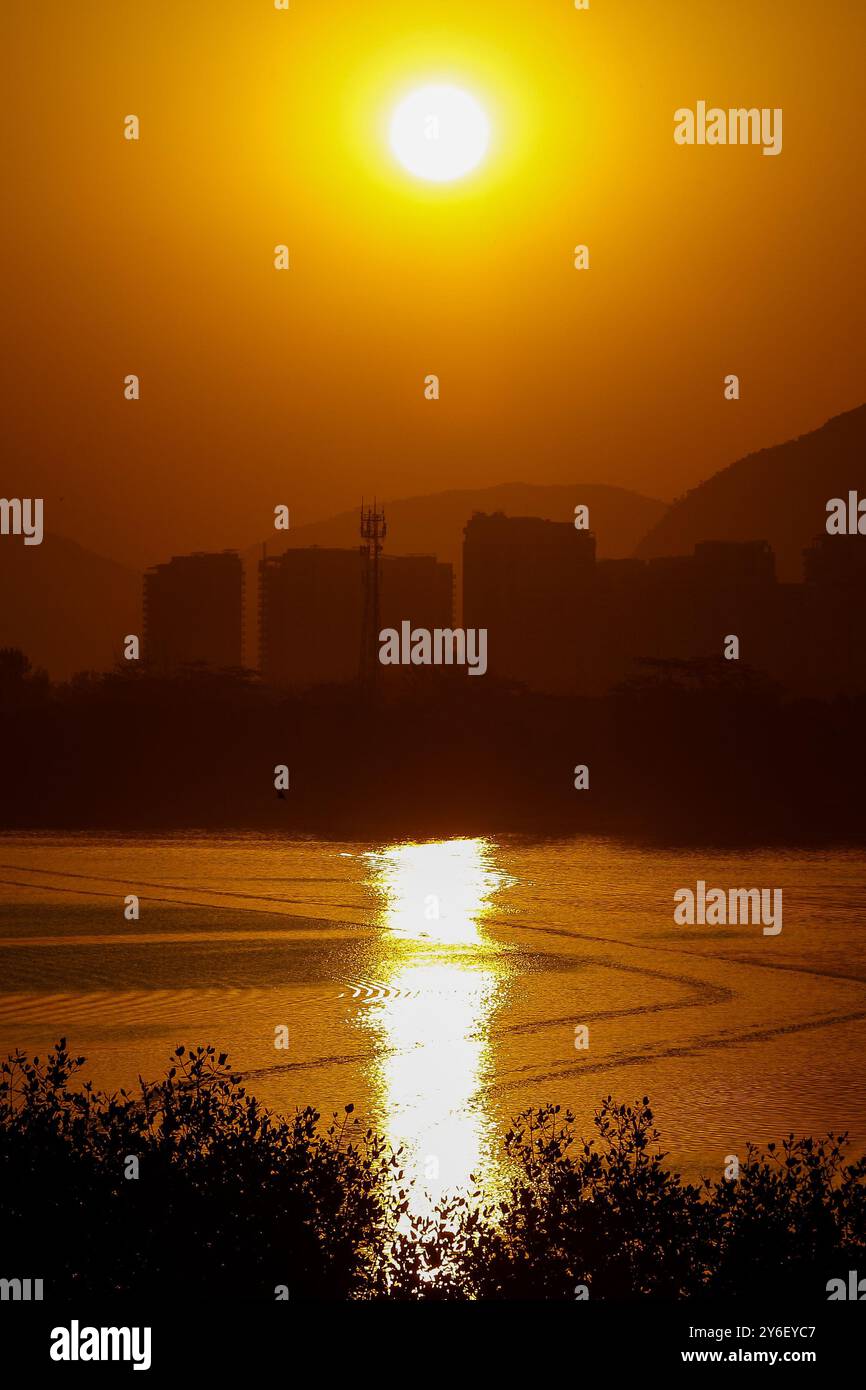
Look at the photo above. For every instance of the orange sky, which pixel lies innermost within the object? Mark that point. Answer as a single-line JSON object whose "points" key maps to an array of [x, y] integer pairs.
{"points": [[306, 387]]}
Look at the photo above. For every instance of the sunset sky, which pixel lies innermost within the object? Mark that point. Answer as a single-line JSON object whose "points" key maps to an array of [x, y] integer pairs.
{"points": [[306, 387]]}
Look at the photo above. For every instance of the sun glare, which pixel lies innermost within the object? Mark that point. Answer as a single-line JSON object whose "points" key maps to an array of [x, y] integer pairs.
{"points": [[439, 133]]}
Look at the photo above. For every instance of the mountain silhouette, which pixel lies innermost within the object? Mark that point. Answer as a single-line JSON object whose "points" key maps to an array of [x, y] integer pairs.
{"points": [[433, 524], [67, 608], [778, 494]]}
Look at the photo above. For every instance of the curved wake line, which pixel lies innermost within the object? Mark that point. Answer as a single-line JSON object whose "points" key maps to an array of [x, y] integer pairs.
{"points": [[687, 1049], [129, 885], [678, 951]]}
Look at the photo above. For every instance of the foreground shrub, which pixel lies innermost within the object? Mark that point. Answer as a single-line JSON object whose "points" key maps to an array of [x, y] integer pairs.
{"points": [[233, 1202], [606, 1214]]}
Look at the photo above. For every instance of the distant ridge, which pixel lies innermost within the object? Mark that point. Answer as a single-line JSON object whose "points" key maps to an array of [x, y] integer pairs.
{"points": [[70, 609], [778, 494], [67, 608], [433, 524]]}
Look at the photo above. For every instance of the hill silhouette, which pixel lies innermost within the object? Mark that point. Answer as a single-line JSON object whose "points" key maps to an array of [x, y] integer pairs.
{"points": [[67, 608], [433, 524], [778, 494]]}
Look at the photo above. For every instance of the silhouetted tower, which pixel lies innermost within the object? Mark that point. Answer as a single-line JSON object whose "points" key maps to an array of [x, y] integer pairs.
{"points": [[373, 531]]}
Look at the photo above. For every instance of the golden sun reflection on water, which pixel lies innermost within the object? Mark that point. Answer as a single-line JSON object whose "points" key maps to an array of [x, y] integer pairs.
{"points": [[435, 892], [442, 980]]}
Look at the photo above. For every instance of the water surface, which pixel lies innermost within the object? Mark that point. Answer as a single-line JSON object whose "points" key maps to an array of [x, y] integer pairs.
{"points": [[438, 986]]}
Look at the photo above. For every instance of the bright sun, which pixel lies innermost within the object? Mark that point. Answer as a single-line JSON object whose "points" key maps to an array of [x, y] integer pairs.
{"points": [[439, 133]]}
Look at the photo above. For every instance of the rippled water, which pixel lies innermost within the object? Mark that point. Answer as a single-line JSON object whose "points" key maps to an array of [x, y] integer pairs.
{"points": [[438, 986]]}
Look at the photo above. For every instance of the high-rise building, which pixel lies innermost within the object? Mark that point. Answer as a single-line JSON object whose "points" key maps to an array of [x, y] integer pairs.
{"points": [[419, 588], [311, 609], [831, 644], [310, 605], [735, 563], [839, 560], [193, 612], [527, 582], [559, 621], [686, 605]]}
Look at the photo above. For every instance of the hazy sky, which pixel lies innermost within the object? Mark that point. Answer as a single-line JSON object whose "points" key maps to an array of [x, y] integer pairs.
{"points": [[306, 387]]}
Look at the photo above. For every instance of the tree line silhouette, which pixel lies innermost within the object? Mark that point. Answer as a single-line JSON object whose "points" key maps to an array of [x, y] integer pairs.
{"points": [[681, 750]]}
